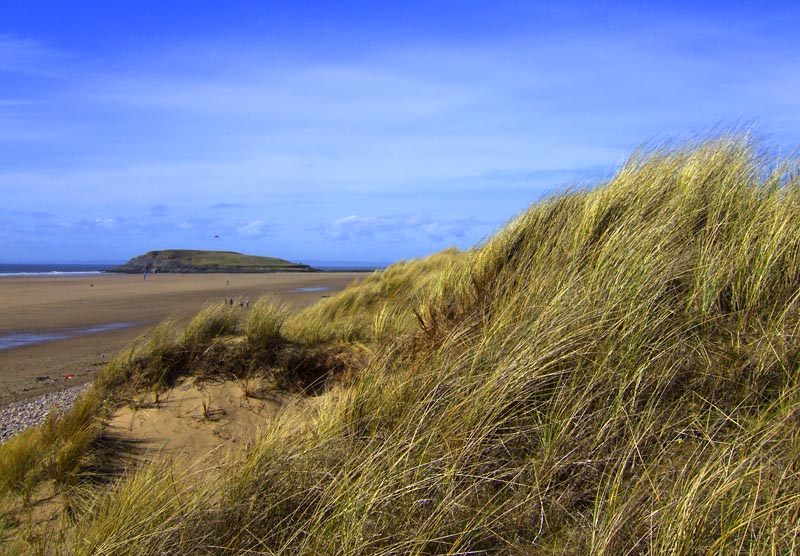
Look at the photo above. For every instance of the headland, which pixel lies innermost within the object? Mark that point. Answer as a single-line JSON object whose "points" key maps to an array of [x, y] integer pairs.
{"points": [[196, 261]]}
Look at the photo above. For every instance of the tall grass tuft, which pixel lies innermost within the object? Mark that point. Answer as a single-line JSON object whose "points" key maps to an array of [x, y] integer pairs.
{"points": [[147, 512], [213, 320], [20, 464], [350, 315], [265, 322], [70, 439], [58, 452]]}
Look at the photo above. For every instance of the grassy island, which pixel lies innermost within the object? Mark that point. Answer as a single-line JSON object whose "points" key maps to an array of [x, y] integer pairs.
{"points": [[193, 261]]}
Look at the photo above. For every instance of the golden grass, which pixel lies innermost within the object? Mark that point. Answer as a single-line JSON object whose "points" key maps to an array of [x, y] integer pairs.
{"points": [[265, 322], [615, 372]]}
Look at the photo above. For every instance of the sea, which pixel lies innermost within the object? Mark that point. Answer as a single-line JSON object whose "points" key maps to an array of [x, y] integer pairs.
{"points": [[52, 269]]}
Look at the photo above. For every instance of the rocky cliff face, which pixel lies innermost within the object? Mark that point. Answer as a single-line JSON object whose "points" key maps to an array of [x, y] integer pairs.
{"points": [[188, 261]]}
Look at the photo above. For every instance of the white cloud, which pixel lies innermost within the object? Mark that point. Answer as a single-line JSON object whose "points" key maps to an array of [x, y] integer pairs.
{"points": [[363, 226], [442, 230], [400, 227], [92, 225], [253, 229]]}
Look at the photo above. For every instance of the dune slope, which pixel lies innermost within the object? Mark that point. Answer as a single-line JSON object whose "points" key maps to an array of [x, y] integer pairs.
{"points": [[615, 372]]}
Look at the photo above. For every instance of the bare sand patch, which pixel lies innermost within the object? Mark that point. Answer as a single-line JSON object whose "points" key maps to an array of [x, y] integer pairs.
{"points": [[197, 421]]}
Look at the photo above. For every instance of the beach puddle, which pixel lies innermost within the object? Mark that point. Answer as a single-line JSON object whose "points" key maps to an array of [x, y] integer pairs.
{"points": [[310, 289], [26, 337]]}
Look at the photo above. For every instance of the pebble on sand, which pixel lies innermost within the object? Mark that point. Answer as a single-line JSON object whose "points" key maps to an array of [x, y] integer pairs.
{"points": [[16, 417]]}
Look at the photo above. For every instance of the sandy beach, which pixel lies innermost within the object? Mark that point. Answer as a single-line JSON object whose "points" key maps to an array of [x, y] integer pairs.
{"points": [[93, 317]]}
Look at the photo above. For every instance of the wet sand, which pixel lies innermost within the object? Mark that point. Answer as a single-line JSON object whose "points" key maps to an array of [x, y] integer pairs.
{"points": [[62, 305]]}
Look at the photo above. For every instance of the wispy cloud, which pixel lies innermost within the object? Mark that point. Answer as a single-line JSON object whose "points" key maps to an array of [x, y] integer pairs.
{"points": [[400, 227], [29, 56], [254, 229], [15, 102], [363, 226], [454, 110], [181, 142], [226, 206]]}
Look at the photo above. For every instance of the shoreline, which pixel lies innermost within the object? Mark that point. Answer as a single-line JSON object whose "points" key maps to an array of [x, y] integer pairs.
{"points": [[20, 338], [48, 304]]}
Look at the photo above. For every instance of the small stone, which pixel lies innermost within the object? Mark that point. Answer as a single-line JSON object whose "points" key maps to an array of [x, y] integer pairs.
{"points": [[16, 417]]}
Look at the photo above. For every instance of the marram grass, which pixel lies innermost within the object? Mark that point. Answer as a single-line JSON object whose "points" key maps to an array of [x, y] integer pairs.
{"points": [[614, 372]]}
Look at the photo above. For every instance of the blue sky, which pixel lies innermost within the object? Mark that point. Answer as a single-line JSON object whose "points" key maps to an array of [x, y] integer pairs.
{"points": [[353, 131]]}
